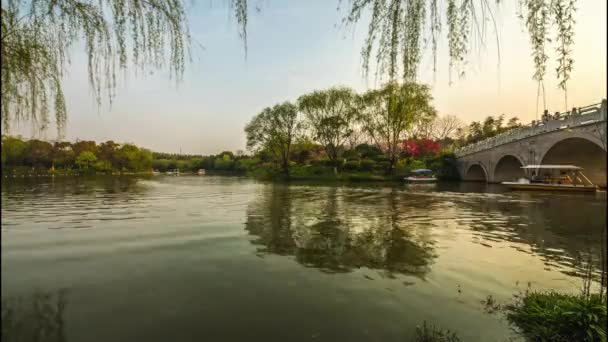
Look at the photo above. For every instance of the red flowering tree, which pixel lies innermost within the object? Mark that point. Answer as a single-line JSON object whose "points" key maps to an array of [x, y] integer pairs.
{"points": [[421, 147]]}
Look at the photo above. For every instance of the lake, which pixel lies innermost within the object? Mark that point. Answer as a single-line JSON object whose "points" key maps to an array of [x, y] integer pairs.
{"points": [[203, 258]]}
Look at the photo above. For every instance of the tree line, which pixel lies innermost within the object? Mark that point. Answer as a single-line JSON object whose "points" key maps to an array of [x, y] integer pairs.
{"points": [[36, 156], [364, 132], [489, 127], [386, 131]]}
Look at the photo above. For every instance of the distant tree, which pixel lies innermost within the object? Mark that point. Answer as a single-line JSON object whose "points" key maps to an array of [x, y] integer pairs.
{"points": [[446, 126], [330, 114], [80, 146], [86, 161], [388, 112], [38, 153], [513, 123], [422, 126], [63, 154], [475, 132], [132, 158], [275, 129], [13, 151], [224, 162], [488, 127], [108, 151]]}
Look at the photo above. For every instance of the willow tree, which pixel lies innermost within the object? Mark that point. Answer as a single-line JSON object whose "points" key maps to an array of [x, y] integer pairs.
{"points": [[38, 36], [400, 29], [275, 129], [330, 114], [390, 111]]}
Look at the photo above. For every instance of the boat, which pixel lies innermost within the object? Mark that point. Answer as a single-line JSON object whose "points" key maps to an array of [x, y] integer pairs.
{"points": [[173, 172], [421, 176], [553, 178], [201, 172]]}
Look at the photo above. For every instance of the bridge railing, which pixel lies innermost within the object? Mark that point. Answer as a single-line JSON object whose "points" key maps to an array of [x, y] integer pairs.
{"points": [[577, 117]]}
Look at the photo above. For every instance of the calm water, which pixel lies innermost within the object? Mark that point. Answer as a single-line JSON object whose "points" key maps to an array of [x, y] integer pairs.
{"points": [[225, 259]]}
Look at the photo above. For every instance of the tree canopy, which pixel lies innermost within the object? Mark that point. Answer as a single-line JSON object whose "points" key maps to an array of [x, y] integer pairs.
{"points": [[388, 112], [38, 36], [330, 115], [275, 129], [396, 33]]}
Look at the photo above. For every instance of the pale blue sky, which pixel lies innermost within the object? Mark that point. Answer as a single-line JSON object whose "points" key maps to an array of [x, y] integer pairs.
{"points": [[296, 47]]}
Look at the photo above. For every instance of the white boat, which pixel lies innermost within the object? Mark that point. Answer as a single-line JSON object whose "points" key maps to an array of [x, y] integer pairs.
{"points": [[421, 176], [553, 178], [173, 172]]}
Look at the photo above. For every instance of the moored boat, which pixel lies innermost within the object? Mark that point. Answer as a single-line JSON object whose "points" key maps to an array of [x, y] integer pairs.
{"points": [[553, 178], [421, 176]]}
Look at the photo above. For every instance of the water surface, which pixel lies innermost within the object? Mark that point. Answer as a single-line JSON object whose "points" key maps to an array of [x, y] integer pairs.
{"points": [[230, 259]]}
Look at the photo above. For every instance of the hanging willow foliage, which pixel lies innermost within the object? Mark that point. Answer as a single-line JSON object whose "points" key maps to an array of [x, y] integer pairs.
{"points": [[398, 30], [539, 16], [37, 36]]}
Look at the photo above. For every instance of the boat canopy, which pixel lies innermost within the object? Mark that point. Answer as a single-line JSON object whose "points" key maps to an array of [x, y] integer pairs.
{"points": [[555, 167], [421, 170]]}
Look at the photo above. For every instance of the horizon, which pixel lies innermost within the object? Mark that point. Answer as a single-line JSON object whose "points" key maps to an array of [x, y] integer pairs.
{"points": [[287, 57]]}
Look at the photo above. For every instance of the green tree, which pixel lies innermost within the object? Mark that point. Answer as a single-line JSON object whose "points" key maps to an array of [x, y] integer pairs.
{"points": [[475, 132], [63, 154], [488, 129], [388, 113], [224, 162], [330, 114], [86, 161], [13, 150], [107, 151], [513, 123], [38, 153], [80, 146], [132, 158], [275, 129]]}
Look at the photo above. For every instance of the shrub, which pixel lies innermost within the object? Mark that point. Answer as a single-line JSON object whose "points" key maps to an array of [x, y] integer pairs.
{"points": [[351, 165], [551, 316], [367, 165], [415, 164], [381, 166]]}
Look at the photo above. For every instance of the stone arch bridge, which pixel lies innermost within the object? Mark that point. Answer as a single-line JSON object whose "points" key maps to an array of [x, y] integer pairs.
{"points": [[573, 138]]}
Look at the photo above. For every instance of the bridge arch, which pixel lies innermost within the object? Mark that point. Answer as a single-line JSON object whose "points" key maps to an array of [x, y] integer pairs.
{"points": [[579, 151], [476, 172], [508, 168]]}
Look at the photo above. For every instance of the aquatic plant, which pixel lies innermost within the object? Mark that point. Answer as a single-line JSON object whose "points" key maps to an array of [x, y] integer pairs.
{"points": [[431, 333]]}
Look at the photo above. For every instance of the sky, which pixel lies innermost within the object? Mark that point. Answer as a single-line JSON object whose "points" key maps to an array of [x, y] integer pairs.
{"points": [[298, 46]]}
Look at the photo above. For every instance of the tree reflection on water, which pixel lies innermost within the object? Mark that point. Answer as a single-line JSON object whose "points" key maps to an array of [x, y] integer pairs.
{"points": [[396, 230], [324, 229], [38, 317]]}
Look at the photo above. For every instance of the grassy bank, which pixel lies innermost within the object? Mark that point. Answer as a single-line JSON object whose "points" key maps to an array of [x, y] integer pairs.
{"points": [[552, 316]]}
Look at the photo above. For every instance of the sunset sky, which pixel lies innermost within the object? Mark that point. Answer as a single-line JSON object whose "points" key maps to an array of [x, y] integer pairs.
{"points": [[298, 46]]}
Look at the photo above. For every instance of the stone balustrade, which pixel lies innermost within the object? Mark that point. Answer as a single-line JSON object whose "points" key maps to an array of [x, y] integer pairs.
{"points": [[577, 117]]}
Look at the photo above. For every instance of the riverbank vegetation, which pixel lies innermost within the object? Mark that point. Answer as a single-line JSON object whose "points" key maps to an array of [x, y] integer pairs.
{"points": [[552, 316], [332, 134], [547, 315], [381, 134]]}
